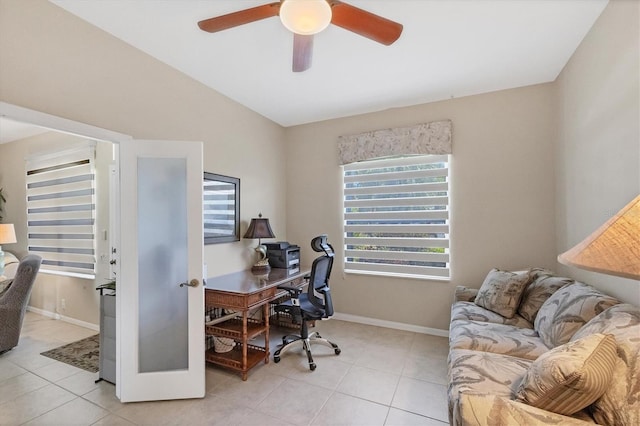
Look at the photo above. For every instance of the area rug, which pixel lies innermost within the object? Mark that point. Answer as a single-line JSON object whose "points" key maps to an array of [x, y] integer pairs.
{"points": [[83, 354]]}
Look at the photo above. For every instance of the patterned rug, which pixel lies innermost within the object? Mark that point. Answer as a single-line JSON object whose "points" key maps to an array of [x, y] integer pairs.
{"points": [[83, 354]]}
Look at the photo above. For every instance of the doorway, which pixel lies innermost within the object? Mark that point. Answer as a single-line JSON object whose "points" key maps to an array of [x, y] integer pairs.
{"points": [[134, 383]]}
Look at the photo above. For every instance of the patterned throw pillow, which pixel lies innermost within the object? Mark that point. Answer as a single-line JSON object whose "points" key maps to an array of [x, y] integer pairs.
{"points": [[568, 309], [620, 404], [501, 291], [538, 292], [570, 377]]}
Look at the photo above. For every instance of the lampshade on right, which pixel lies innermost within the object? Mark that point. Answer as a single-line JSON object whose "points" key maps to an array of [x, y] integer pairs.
{"points": [[612, 249]]}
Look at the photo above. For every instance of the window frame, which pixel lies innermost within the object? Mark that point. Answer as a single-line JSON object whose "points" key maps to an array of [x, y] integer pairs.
{"points": [[423, 252]]}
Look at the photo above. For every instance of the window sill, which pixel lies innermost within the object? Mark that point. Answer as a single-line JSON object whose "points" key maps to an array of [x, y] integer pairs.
{"points": [[396, 275]]}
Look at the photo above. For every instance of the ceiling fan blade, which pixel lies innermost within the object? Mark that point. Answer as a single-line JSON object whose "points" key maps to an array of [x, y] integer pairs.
{"points": [[241, 17], [364, 23], [302, 52]]}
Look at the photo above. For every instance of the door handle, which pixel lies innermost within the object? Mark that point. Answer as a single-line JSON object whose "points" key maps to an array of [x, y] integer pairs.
{"points": [[193, 283]]}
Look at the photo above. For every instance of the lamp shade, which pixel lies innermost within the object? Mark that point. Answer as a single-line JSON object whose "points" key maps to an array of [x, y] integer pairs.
{"points": [[612, 249], [305, 17], [259, 228], [7, 233]]}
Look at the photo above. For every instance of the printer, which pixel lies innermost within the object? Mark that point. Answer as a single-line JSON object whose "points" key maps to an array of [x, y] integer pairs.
{"points": [[283, 255]]}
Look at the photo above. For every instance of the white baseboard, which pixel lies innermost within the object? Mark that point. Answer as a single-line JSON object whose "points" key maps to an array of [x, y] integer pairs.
{"points": [[57, 316], [342, 317], [391, 324]]}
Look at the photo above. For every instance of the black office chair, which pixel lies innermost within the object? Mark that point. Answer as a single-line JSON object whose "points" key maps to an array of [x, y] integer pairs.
{"points": [[313, 305]]}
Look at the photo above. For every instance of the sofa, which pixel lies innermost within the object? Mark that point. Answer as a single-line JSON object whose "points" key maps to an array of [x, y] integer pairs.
{"points": [[530, 347]]}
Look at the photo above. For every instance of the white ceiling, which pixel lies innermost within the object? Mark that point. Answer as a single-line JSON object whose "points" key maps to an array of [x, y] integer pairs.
{"points": [[449, 48]]}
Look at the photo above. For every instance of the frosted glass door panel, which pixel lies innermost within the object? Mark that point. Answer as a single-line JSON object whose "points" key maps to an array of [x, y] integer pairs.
{"points": [[162, 264]]}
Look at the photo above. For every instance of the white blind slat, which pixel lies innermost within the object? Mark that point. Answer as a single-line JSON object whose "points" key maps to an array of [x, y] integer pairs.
{"points": [[400, 201], [397, 189], [399, 229], [416, 215], [397, 255], [399, 242], [373, 176]]}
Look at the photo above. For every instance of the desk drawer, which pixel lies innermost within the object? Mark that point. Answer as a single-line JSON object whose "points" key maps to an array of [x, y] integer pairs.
{"points": [[261, 296], [238, 301]]}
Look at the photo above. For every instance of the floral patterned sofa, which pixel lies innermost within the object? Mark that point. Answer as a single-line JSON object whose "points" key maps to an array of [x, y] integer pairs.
{"points": [[532, 348]]}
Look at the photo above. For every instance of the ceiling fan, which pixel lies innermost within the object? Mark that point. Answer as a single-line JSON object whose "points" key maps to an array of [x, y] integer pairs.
{"points": [[308, 17]]}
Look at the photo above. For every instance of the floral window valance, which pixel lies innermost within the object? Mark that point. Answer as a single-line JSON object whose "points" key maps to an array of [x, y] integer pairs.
{"points": [[422, 139]]}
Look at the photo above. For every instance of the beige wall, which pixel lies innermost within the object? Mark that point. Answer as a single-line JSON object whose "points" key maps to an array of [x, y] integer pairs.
{"points": [[502, 197], [53, 62], [598, 144], [81, 298]]}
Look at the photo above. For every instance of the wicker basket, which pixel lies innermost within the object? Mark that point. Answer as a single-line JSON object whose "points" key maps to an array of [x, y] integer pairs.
{"points": [[223, 344]]}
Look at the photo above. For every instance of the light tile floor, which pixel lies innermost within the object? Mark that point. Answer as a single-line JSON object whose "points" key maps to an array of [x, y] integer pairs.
{"points": [[382, 377]]}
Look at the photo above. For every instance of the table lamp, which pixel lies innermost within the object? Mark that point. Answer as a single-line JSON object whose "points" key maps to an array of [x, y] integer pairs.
{"points": [[259, 228], [7, 236], [614, 248]]}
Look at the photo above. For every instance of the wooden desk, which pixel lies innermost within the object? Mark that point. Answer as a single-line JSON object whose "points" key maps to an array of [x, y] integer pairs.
{"points": [[243, 292]]}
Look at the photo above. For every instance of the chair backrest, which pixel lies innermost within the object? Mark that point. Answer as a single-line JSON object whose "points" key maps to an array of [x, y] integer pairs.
{"points": [[13, 302], [20, 288], [318, 292]]}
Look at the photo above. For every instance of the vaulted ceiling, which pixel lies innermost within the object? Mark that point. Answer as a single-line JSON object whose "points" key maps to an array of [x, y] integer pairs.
{"points": [[448, 48]]}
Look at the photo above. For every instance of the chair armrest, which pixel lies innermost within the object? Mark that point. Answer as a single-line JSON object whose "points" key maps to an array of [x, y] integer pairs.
{"points": [[293, 290], [328, 303], [488, 410], [465, 294]]}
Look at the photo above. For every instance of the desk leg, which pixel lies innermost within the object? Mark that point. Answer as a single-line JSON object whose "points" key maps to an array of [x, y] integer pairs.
{"points": [[265, 316], [244, 345]]}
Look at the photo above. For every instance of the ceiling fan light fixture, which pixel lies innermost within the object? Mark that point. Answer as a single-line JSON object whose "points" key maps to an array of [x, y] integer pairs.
{"points": [[305, 17]]}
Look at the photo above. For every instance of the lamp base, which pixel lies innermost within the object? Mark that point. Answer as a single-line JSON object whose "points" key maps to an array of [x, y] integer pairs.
{"points": [[260, 269]]}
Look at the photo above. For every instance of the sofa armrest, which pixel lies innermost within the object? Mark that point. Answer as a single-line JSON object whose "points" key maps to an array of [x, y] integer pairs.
{"points": [[465, 294], [488, 410]]}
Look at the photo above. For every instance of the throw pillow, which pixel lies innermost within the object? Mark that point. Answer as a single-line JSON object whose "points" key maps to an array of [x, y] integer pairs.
{"points": [[568, 309], [501, 291], [620, 404], [570, 377], [4, 285], [538, 292]]}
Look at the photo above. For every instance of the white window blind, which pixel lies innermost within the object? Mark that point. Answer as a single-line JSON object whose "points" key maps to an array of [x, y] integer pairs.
{"points": [[61, 211], [396, 217]]}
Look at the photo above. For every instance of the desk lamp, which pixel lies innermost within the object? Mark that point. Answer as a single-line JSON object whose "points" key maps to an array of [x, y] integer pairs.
{"points": [[7, 236], [259, 228]]}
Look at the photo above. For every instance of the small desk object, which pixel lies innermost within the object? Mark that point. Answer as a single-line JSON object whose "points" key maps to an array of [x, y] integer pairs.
{"points": [[230, 300]]}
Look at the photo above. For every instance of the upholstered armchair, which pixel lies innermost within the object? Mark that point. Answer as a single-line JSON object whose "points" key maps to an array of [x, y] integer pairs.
{"points": [[14, 299]]}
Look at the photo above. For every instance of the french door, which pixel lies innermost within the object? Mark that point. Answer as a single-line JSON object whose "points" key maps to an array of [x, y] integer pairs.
{"points": [[160, 297]]}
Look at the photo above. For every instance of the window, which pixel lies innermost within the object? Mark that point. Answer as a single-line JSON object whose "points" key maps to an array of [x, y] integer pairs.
{"points": [[396, 217], [61, 211]]}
